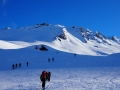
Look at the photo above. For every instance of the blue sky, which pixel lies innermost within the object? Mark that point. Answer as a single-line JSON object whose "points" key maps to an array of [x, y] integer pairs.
{"points": [[97, 15]]}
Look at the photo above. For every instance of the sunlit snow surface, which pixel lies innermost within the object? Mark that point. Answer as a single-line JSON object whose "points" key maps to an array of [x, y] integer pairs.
{"points": [[96, 66], [62, 79]]}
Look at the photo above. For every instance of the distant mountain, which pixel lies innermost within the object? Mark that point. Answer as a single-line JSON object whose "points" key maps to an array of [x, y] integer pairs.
{"points": [[73, 39]]}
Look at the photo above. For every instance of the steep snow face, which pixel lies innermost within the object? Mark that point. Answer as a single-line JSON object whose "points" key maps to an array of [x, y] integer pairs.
{"points": [[72, 44], [73, 40], [87, 35]]}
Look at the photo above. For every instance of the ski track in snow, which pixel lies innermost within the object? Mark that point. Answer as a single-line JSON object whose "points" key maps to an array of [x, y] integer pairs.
{"points": [[62, 79]]}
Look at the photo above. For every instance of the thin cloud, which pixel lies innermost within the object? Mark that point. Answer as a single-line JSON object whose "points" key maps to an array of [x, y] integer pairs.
{"points": [[4, 13], [4, 2]]}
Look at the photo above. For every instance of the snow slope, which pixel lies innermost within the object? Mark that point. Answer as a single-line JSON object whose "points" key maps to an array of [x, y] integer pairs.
{"points": [[77, 65], [69, 72]]}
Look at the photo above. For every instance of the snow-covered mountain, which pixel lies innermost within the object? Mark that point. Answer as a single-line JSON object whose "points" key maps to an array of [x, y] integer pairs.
{"points": [[83, 59], [73, 39]]}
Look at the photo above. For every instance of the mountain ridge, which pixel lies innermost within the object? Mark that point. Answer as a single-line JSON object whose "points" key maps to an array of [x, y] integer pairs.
{"points": [[73, 39]]}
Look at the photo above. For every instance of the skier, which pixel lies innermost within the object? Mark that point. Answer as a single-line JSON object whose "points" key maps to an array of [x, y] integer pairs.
{"points": [[13, 66], [27, 63], [16, 65], [48, 59], [74, 54], [43, 78], [52, 59], [19, 64]]}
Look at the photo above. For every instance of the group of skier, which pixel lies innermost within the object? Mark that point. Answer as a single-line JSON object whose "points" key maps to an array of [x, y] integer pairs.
{"points": [[49, 59], [45, 76], [18, 65]]}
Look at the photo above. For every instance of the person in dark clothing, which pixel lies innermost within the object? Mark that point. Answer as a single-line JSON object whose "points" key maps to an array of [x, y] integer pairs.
{"points": [[43, 78], [16, 65], [52, 59], [74, 54], [19, 64], [13, 66], [27, 63], [48, 59]]}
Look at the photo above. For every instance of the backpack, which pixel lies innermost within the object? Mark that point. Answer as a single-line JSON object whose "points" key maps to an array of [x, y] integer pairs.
{"points": [[48, 76], [43, 75]]}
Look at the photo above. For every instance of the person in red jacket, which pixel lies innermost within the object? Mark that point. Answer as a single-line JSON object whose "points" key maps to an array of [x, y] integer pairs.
{"points": [[43, 78]]}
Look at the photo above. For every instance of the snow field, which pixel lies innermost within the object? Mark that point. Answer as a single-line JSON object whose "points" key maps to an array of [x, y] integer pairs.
{"points": [[62, 79]]}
